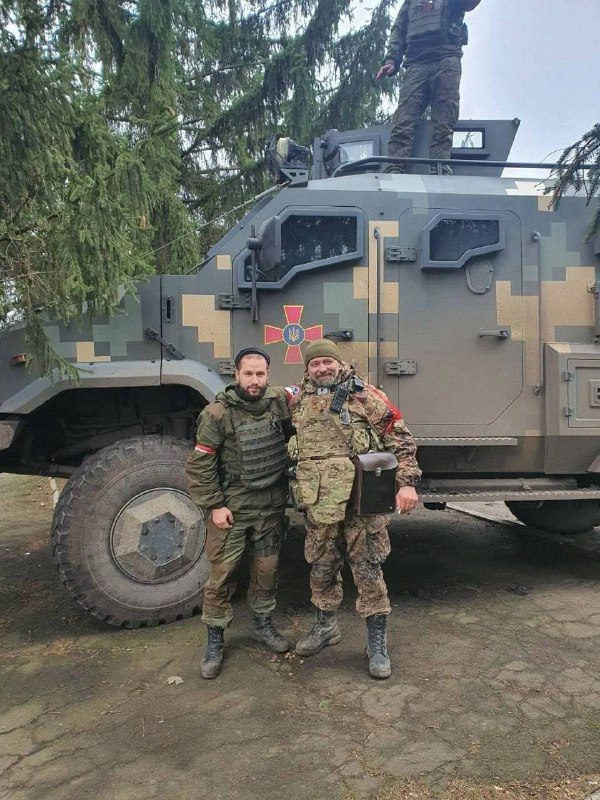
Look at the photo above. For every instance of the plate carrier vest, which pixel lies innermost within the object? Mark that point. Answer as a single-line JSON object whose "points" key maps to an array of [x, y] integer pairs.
{"points": [[314, 433], [261, 448], [429, 21]]}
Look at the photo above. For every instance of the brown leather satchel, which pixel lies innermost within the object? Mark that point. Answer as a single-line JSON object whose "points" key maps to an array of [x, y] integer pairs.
{"points": [[374, 490]]}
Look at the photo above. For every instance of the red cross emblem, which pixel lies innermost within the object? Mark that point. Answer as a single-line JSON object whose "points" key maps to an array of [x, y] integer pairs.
{"points": [[293, 334]]}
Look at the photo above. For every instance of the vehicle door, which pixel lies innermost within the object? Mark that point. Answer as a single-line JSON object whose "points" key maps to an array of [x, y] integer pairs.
{"points": [[458, 272], [312, 291]]}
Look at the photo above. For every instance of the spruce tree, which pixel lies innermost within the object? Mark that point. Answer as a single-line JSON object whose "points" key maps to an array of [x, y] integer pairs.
{"points": [[128, 126], [570, 175]]}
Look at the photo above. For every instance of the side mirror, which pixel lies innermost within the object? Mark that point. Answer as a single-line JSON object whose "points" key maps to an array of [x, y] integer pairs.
{"points": [[330, 145], [268, 245]]}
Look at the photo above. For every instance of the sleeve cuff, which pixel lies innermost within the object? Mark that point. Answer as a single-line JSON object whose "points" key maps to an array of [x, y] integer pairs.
{"points": [[408, 482], [392, 60]]}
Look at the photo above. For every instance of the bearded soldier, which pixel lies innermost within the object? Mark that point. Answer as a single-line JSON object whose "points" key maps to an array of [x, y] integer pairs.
{"points": [[428, 36], [324, 443], [237, 478]]}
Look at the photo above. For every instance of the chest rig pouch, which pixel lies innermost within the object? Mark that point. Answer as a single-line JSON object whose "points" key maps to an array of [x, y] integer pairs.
{"points": [[262, 450]]}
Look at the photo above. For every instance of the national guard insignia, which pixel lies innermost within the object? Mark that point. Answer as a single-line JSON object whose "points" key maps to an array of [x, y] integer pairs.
{"points": [[293, 334]]}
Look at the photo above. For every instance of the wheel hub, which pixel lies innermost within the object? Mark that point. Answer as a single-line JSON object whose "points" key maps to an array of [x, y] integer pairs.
{"points": [[157, 536]]}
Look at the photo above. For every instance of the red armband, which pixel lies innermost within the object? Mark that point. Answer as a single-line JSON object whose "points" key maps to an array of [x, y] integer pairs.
{"points": [[394, 414], [292, 395], [204, 448]]}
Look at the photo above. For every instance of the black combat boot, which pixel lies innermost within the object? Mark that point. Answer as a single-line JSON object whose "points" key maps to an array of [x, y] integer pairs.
{"points": [[265, 632], [211, 663], [379, 660], [324, 632]]}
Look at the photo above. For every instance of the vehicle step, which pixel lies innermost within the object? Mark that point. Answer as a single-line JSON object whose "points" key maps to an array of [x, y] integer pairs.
{"points": [[466, 441], [465, 496]]}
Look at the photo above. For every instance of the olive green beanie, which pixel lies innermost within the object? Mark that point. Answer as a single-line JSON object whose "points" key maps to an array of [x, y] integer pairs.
{"points": [[323, 348]]}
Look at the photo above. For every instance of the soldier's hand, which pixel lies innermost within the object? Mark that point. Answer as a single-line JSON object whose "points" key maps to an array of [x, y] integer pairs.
{"points": [[385, 71], [222, 518], [406, 499]]}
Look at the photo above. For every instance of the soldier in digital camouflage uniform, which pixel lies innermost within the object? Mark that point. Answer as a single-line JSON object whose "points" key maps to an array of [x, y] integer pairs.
{"points": [[236, 475], [429, 36], [323, 446]]}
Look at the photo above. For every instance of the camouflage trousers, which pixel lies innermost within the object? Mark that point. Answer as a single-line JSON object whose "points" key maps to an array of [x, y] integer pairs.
{"points": [[436, 84], [224, 550], [366, 544]]}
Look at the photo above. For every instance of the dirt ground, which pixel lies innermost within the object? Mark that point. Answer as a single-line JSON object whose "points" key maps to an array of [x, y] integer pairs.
{"points": [[495, 693]]}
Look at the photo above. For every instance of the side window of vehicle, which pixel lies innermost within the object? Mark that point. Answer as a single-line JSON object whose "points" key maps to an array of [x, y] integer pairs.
{"points": [[450, 240], [355, 150], [468, 139], [311, 239], [307, 239]]}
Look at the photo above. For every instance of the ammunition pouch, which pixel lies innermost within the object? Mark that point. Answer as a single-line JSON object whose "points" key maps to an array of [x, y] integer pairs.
{"points": [[323, 488], [374, 489], [458, 33]]}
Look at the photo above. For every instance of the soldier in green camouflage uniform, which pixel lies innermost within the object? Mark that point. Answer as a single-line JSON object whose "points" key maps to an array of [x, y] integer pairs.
{"points": [[236, 475], [429, 36], [323, 446]]}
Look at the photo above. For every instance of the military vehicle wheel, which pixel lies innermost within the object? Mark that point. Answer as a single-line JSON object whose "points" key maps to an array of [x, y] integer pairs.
{"points": [[128, 540], [565, 517]]}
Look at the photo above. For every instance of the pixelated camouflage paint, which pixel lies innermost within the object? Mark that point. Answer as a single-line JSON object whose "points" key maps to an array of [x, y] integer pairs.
{"points": [[465, 385]]}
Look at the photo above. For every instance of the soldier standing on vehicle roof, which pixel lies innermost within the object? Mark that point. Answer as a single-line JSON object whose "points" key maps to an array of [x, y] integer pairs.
{"points": [[237, 477], [429, 35], [323, 445]]}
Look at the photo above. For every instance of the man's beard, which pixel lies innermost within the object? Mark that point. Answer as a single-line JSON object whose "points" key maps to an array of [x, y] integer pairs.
{"points": [[326, 381], [250, 397]]}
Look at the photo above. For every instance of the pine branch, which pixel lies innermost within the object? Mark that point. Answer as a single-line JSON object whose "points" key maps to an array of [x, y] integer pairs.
{"points": [[570, 175], [125, 125], [218, 70]]}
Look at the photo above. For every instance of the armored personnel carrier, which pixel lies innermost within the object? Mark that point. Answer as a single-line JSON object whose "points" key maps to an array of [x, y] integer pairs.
{"points": [[468, 298]]}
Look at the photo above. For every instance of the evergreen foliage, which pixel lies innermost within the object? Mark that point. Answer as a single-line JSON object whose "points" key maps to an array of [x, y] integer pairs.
{"points": [[570, 175], [126, 126]]}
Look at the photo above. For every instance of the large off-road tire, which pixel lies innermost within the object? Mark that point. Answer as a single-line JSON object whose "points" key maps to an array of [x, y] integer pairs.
{"points": [[128, 540], [566, 517]]}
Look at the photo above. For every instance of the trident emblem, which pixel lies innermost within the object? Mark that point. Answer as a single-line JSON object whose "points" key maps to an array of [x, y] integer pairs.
{"points": [[293, 334]]}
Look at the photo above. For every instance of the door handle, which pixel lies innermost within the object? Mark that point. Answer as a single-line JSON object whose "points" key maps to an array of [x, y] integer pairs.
{"points": [[339, 336], [501, 334], [173, 351]]}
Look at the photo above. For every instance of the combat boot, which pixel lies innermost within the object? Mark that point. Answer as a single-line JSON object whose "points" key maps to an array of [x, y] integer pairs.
{"points": [[211, 663], [379, 660], [324, 632], [265, 632]]}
